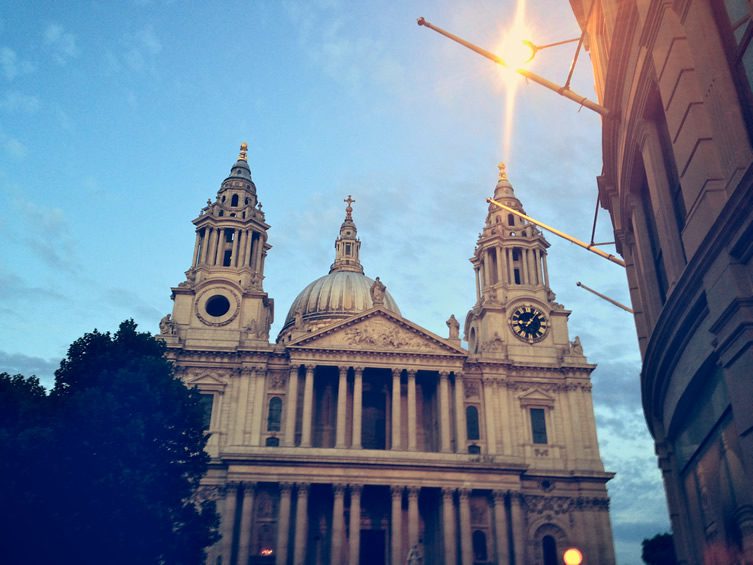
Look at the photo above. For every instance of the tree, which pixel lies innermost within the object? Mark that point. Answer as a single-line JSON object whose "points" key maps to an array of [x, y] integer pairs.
{"points": [[123, 453], [659, 550]]}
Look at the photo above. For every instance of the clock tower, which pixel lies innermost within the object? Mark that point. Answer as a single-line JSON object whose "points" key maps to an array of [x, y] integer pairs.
{"points": [[515, 316]]}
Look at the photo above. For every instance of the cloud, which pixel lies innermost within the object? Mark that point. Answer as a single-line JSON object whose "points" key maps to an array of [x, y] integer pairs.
{"points": [[13, 147], [51, 240], [142, 47], [16, 289], [133, 303], [14, 363], [60, 43], [12, 66], [14, 101]]}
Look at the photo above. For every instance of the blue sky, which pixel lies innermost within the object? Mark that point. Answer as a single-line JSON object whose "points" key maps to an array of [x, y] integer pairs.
{"points": [[119, 120]]}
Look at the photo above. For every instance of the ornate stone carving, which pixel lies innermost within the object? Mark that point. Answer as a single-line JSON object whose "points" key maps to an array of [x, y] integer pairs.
{"points": [[471, 388], [277, 381], [454, 326], [167, 325], [539, 504], [377, 292], [381, 336], [494, 345]]}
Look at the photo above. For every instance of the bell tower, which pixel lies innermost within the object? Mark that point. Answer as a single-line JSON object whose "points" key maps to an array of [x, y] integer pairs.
{"points": [[515, 315], [223, 290]]}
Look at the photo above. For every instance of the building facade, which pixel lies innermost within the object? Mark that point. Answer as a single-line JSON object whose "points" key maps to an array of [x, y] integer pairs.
{"points": [[678, 184], [361, 437]]}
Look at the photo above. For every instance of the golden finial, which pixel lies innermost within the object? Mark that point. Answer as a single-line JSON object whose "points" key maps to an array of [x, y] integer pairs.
{"points": [[244, 152], [502, 171]]}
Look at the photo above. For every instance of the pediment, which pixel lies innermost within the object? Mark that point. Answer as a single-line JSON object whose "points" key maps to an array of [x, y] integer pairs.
{"points": [[378, 330], [205, 379], [536, 397]]}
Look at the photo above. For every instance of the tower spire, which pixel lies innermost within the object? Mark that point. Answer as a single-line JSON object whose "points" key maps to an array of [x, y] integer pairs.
{"points": [[347, 244]]}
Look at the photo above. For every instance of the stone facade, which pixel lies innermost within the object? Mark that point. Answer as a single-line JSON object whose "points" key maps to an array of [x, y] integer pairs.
{"points": [[678, 184], [361, 437]]}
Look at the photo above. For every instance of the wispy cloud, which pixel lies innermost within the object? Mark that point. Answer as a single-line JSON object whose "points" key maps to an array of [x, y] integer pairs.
{"points": [[13, 147], [12, 65], [61, 43], [15, 101], [51, 240], [15, 363]]}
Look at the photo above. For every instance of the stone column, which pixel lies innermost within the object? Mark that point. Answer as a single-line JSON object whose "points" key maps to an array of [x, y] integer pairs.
{"points": [[396, 526], [448, 527], [247, 509], [413, 519], [396, 408], [218, 256], [488, 414], [518, 527], [524, 265], [546, 272], [234, 253], [259, 252], [301, 523], [478, 284], [500, 264], [204, 244], [283, 524], [239, 260], [466, 543], [196, 247], [249, 249], [292, 407], [412, 410], [355, 524], [444, 411], [342, 403], [357, 406], [228, 521], [500, 528], [461, 431], [308, 406], [338, 523], [211, 246], [257, 424]]}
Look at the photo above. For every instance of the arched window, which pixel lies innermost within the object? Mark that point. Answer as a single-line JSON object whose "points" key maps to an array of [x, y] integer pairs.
{"points": [[479, 546], [471, 417], [510, 220], [549, 549], [234, 200], [274, 414]]}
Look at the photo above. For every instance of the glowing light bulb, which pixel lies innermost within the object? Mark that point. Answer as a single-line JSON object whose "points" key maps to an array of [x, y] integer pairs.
{"points": [[572, 556]]}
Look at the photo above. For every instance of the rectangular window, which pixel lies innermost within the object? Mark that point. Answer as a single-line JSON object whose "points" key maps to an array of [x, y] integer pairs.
{"points": [[347, 248], [227, 257], [538, 425], [206, 402]]}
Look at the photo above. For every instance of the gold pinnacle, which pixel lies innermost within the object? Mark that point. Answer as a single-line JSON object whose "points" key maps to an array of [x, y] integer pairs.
{"points": [[244, 152], [502, 171]]}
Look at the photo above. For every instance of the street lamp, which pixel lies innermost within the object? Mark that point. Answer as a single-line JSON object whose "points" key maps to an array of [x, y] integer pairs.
{"points": [[532, 49], [572, 556]]}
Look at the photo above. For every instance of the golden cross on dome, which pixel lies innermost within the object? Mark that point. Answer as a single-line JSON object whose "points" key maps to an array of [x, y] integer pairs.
{"points": [[349, 208], [502, 171], [244, 152]]}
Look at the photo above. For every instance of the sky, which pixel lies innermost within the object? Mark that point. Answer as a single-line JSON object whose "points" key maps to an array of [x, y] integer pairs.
{"points": [[119, 120]]}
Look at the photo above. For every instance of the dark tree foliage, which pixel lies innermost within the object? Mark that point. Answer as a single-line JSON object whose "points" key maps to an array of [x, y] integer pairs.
{"points": [[659, 550], [108, 462]]}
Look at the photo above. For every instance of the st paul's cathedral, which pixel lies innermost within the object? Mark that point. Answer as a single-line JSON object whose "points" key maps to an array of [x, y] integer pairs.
{"points": [[359, 437]]}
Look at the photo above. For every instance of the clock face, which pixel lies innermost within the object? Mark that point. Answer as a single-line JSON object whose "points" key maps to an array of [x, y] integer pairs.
{"points": [[529, 323]]}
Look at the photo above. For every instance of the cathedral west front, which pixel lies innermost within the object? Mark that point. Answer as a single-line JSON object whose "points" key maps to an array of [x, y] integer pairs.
{"points": [[357, 436]]}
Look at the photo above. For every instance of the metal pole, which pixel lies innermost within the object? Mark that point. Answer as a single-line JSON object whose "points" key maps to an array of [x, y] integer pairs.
{"points": [[600, 295], [563, 235], [561, 90]]}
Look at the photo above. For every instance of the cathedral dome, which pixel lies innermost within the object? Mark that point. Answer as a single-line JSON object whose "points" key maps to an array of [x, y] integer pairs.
{"points": [[335, 296], [345, 291]]}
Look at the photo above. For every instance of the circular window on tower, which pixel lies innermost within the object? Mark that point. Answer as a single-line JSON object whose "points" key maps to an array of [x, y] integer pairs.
{"points": [[217, 306]]}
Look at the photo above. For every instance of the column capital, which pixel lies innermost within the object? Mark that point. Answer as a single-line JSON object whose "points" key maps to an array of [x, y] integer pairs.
{"points": [[286, 487], [396, 491], [355, 489], [303, 488], [358, 371], [396, 372], [249, 486], [458, 375], [411, 373], [464, 493], [230, 487], [444, 374], [339, 489], [310, 368], [343, 370], [413, 492], [294, 369], [447, 492], [498, 496]]}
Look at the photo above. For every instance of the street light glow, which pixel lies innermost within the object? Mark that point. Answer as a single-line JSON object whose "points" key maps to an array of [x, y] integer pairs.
{"points": [[572, 556]]}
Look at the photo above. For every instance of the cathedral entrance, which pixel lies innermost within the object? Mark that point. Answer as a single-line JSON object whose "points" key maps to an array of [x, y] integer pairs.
{"points": [[373, 547]]}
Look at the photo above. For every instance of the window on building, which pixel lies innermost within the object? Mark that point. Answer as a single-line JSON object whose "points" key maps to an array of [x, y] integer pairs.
{"points": [[516, 275], [479, 546], [538, 425], [227, 258], [549, 549], [274, 414], [206, 401], [234, 200], [272, 442], [735, 22], [229, 234], [347, 248], [471, 418], [653, 237], [510, 220]]}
